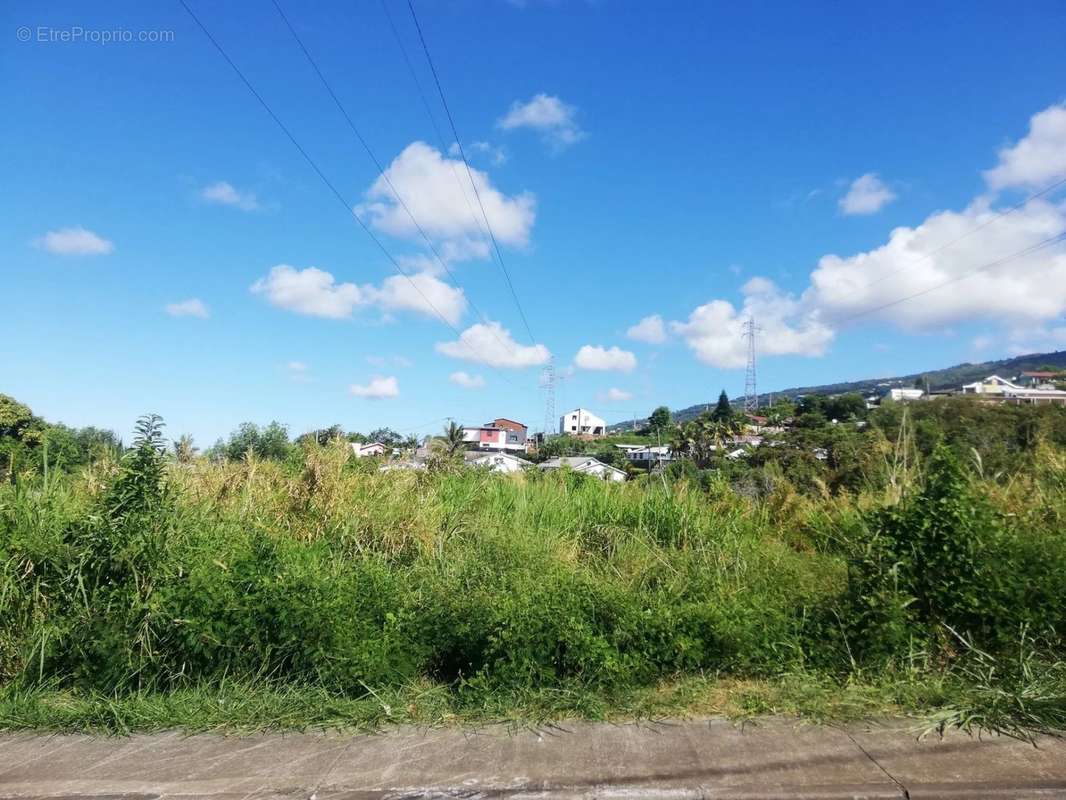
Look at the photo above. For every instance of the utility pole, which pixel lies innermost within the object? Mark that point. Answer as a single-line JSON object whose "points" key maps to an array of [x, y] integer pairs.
{"points": [[751, 394], [548, 382]]}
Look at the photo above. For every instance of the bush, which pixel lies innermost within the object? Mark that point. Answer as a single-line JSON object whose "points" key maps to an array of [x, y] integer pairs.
{"points": [[319, 572], [944, 564]]}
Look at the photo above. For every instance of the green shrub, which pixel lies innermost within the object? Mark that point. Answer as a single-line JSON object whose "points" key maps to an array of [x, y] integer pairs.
{"points": [[316, 573], [943, 564]]}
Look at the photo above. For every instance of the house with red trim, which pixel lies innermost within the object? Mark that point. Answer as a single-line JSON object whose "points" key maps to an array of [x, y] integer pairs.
{"points": [[502, 435]]}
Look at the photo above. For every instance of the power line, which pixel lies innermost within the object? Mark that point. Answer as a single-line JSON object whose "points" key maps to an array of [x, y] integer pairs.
{"points": [[381, 170], [1023, 252], [333, 189], [429, 113], [470, 175], [423, 425], [995, 217]]}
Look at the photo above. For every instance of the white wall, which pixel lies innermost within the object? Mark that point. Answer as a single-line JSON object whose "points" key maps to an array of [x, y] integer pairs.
{"points": [[581, 421], [499, 463]]}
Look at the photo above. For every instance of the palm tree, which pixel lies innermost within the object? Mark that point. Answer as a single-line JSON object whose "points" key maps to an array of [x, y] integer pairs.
{"points": [[702, 437], [453, 443], [722, 431], [681, 441]]}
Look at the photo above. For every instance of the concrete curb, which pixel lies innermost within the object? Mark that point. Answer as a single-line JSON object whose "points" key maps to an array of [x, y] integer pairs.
{"points": [[692, 760]]}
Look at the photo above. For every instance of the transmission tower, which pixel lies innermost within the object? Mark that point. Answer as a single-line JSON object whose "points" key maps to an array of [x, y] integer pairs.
{"points": [[751, 394], [547, 380]]}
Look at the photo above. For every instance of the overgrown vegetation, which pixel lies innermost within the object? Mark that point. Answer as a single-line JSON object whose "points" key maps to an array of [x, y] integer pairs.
{"points": [[917, 568]]}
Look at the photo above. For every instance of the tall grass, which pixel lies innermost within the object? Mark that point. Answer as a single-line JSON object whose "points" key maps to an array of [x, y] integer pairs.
{"points": [[131, 589]]}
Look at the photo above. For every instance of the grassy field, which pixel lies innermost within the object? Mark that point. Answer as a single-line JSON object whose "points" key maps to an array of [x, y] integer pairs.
{"points": [[144, 594]]}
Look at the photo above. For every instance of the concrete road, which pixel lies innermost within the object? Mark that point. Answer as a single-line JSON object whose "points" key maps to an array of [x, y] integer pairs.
{"points": [[693, 759]]}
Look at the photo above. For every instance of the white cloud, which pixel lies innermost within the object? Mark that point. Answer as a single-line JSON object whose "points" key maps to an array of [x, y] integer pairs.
{"points": [[496, 155], [614, 395], [547, 114], [953, 268], [492, 344], [913, 260], [1036, 159], [225, 194], [1038, 339], [714, 331], [650, 330], [315, 292], [192, 307], [866, 195], [422, 293], [599, 358], [75, 242], [309, 291], [445, 207], [466, 380], [379, 388]]}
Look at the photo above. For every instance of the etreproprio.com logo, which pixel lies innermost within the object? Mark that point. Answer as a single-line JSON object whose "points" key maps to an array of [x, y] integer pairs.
{"points": [[77, 34]]}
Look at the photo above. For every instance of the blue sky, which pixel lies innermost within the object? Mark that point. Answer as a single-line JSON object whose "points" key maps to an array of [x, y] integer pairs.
{"points": [[166, 248]]}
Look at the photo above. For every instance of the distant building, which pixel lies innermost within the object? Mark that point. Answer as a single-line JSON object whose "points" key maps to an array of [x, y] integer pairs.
{"points": [[749, 439], [582, 422], [904, 395], [497, 462], [517, 433], [649, 456], [761, 425], [1001, 390], [367, 449], [1040, 380], [501, 435], [992, 385], [586, 465]]}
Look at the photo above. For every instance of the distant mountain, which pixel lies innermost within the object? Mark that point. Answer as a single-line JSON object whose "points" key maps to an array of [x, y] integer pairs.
{"points": [[948, 378]]}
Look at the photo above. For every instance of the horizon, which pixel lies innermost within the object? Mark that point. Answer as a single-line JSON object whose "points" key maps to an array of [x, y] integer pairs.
{"points": [[652, 177]]}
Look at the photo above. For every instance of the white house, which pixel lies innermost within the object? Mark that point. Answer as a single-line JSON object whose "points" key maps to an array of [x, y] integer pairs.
{"points": [[997, 388], [1040, 380], [586, 465], [497, 462], [582, 422], [904, 395], [993, 384], [364, 450], [501, 435], [647, 456]]}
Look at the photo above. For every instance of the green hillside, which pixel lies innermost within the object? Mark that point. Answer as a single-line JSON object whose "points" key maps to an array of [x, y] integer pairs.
{"points": [[947, 378]]}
